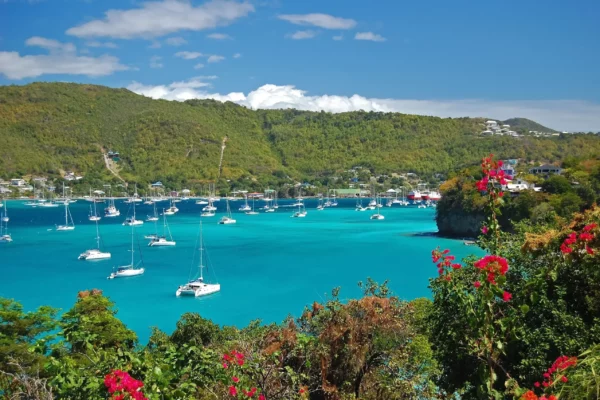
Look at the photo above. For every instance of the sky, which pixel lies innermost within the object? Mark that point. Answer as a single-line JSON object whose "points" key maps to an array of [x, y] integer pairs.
{"points": [[495, 59]]}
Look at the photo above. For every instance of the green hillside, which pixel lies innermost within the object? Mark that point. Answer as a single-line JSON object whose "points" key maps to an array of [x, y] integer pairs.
{"points": [[46, 128], [526, 125]]}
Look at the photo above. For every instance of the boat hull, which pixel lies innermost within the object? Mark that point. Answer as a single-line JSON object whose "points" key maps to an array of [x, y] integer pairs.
{"points": [[126, 273]]}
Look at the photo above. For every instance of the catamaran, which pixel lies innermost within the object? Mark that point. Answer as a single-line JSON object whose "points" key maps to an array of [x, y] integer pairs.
{"points": [[197, 287], [227, 219], [252, 212], [95, 254], [69, 224], [131, 269], [111, 210], [245, 207], [131, 221], [162, 240], [377, 215], [153, 217], [94, 214]]}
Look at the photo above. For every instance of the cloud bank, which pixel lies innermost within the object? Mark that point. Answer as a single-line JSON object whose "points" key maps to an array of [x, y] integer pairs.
{"points": [[571, 115], [62, 58], [324, 21], [159, 18]]}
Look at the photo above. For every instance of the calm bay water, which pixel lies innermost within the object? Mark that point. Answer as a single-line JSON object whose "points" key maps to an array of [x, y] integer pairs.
{"points": [[269, 265]]}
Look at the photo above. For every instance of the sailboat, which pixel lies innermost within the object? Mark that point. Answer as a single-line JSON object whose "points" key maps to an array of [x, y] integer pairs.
{"points": [[198, 287], [377, 215], [245, 207], [131, 269], [111, 210], [320, 206], [172, 209], [252, 212], [275, 205], [5, 215], [162, 240], [334, 202], [153, 217], [210, 206], [301, 213], [4, 235], [359, 204], [95, 254], [131, 221], [69, 224], [227, 219], [94, 215]]}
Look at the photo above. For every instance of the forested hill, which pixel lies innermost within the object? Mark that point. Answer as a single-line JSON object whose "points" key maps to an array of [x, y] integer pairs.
{"points": [[50, 127], [525, 125]]}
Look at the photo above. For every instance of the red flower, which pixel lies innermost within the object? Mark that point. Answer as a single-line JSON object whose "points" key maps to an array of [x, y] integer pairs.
{"points": [[232, 391], [529, 396], [537, 384], [446, 251], [565, 249], [589, 227], [500, 194], [564, 379], [589, 250], [448, 278], [477, 284], [552, 397], [586, 237], [500, 163], [261, 397], [506, 296], [301, 391], [225, 365], [484, 230], [456, 266], [235, 379]]}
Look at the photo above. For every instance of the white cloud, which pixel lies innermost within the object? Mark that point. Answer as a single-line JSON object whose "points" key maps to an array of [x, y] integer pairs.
{"points": [[180, 91], [373, 37], [155, 62], [175, 41], [571, 115], [237, 55], [338, 37], [219, 36], [108, 45], [199, 66], [62, 58], [155, 45], [188, 55], [324, 21], [299, 35], [159, 18], [215, 59]]}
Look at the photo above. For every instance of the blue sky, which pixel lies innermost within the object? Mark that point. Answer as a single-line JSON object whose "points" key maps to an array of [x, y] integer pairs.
{"points": [[492, 58]]}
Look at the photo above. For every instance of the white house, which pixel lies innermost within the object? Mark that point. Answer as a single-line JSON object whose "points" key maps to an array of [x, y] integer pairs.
{"points": [[18, 182]]}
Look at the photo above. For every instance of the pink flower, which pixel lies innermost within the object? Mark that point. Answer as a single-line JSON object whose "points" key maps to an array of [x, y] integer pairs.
{"points": [[232, 391], [477, 284], [564, 379], [589, 250], [537, 384], [235, 379], [506, 296], [225, 365], [261, 397], [484, 230]]}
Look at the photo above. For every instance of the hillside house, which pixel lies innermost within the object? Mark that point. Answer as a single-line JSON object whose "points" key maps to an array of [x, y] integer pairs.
{"points": [[546, 169]]}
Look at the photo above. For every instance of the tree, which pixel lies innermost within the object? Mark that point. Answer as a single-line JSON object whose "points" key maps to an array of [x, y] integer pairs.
{"points": [[556, 184]]}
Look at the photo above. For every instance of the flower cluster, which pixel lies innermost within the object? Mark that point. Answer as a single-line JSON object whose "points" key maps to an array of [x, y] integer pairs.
{"points": [[492, 174], [493, 265], [561, 364], [585, 237], [236, 360], [233, 357], [121, 386], [444, 261]]}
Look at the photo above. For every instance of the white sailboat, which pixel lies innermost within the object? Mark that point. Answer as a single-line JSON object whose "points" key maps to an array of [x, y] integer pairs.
{"points": [[111, 210], [95, 254], [378, 216], [5, 217], [131, 269], [334, 202], [153, 217], [197, 287], [5, 237], [301, 213], [69, 224], [227, 219], [162, 240], [94, 214], [131, 221], [252, 212], [320, 206], [359, 204], [245, 207]]}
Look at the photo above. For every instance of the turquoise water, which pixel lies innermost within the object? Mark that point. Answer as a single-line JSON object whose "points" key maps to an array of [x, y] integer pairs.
{"points": [[269, 265]]}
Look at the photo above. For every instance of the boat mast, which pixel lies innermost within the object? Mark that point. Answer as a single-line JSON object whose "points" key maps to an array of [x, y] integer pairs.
{"points": [[132, 246], [97, 236], [201, 253]]}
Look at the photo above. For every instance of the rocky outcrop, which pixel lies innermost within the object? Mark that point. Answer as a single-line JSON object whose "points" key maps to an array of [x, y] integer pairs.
{"points": [[459, 224]]}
